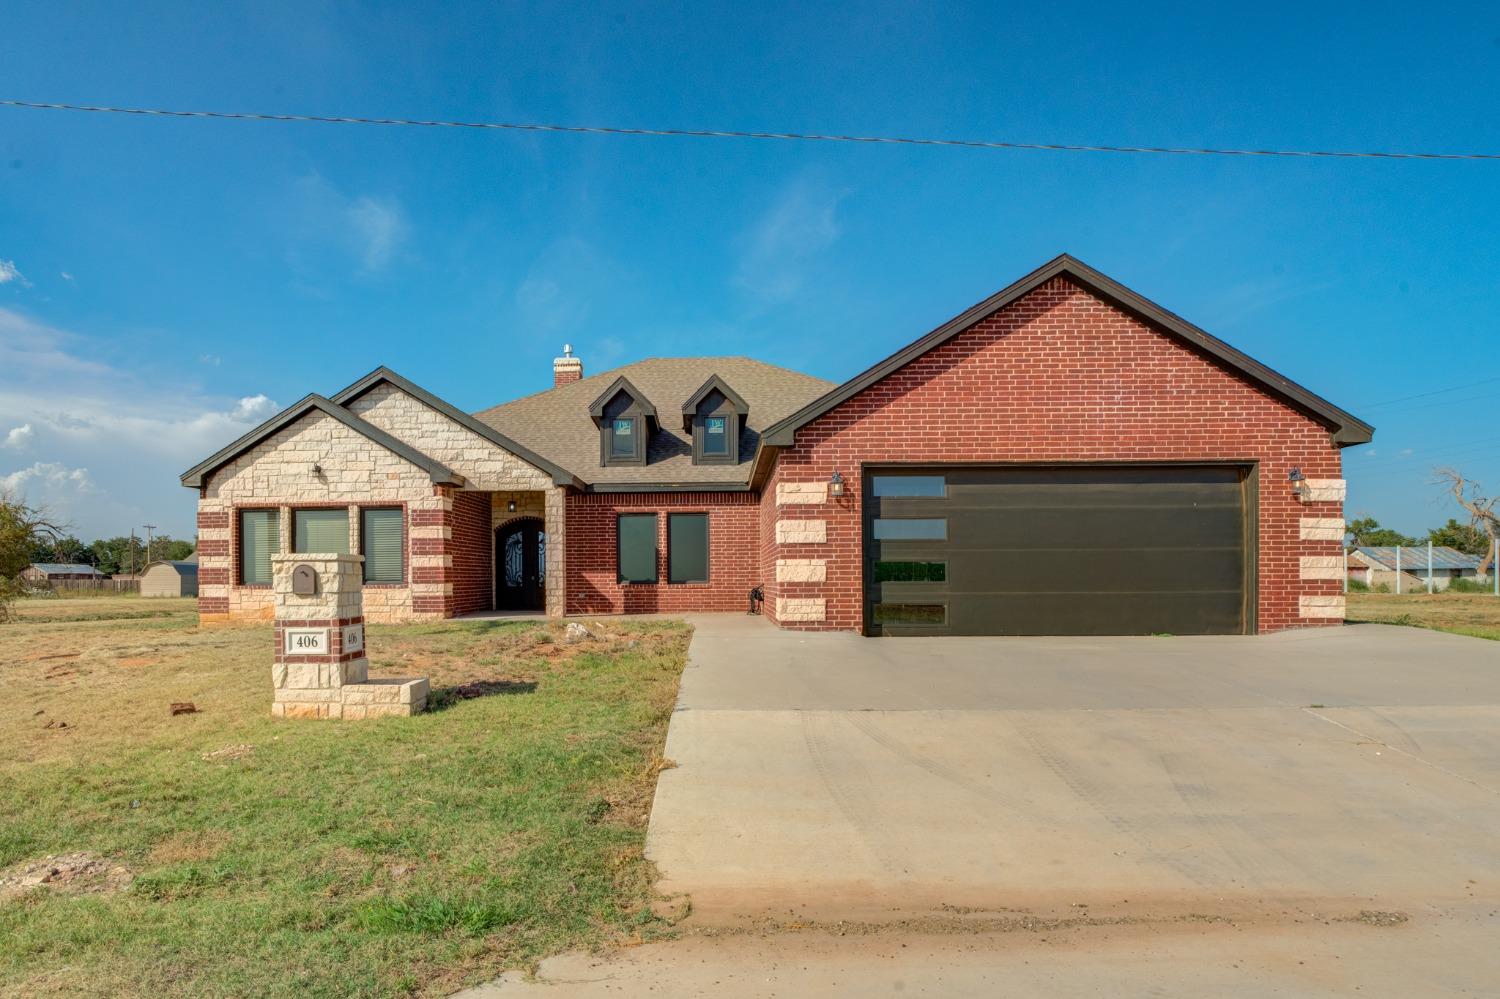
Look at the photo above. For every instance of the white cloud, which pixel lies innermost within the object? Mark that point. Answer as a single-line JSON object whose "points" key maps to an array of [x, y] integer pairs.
{"points": [[213, 360], [66, 276], [9, 273], [109, 448], [253, 409], [778, 251], [17, 438], [48, 474], [380, 227], [370, 229]]}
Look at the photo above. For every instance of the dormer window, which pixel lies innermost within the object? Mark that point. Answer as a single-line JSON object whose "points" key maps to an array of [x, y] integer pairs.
{"points": [[625, 419], [715, 416]]}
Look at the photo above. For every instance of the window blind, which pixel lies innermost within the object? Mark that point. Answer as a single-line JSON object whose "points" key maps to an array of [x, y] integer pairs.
{"points": [[260, 532], [382, 537], [321, 531]]}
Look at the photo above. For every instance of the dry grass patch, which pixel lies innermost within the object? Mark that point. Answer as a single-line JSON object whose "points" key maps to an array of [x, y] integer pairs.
{"points": [[266, 857], [1475, 614]]}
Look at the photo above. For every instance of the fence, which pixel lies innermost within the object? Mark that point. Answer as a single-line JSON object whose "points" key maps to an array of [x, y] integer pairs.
{"points": [[101, 585], [1420, 563]]}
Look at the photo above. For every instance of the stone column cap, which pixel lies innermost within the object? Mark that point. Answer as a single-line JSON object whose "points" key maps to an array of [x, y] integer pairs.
{"points": [[286, 557]]}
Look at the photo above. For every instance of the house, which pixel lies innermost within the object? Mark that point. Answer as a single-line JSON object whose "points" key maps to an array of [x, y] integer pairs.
{"points": [[1376, 566], [168, 578], [46, 573], [1065, 457]]}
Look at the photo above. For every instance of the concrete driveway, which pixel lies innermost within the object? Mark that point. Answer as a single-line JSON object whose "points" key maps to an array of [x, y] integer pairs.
{"points": [[1315, 774]]}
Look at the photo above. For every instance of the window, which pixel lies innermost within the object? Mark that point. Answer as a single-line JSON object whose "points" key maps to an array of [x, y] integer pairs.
{"points": [[910, 614], [622, 438], [909, 485], [321, 531], [260, 538], [910, 530], [687, 548], [635, 547], [383, 544], [716, 435], [911, 572]]}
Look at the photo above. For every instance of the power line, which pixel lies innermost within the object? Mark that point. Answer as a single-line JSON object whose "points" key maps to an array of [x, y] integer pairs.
{"points": [[734, 134], [1423, 395]]}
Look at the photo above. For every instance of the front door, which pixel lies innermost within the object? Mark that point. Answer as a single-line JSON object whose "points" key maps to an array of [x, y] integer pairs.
{"points": [[520, 566]]}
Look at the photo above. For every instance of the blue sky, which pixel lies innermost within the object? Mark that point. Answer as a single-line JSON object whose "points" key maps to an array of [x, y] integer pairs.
{"points": [[167, 284]]}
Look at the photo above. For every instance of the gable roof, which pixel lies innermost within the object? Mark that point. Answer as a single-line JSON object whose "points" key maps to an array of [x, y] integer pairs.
{"points": [[440, 474], [1346, 428], [557, 423], [622, 384], [1414, 557], [690, 408], [66, 569], [560, 476]]}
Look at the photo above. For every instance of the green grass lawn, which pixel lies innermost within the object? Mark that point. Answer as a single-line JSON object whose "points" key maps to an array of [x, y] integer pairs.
{"points": [[272, 857], [1476, 614]]}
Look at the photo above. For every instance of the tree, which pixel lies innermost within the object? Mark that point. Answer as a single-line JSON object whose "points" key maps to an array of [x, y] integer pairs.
{"points": [[119, 554], [68, 549], [1481, 509], [1465, 537], [21, 527], [1368, 533]]}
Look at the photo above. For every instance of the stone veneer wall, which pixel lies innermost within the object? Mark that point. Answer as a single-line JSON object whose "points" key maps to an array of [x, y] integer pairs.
{"points": [[278, 474], [449, 539], [486, 467], [1058, 375]]}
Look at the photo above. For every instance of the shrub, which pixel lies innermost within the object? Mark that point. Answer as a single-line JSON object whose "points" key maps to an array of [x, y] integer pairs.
{"points": [[1358, 586], [1382, 588], [1461, 585]]}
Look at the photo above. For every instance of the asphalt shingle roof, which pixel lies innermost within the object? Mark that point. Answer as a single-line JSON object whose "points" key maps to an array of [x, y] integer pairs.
{"points": [[556, 423]]}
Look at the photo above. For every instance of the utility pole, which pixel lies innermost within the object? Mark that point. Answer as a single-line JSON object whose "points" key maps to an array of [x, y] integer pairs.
{"points": [[149, 529]]}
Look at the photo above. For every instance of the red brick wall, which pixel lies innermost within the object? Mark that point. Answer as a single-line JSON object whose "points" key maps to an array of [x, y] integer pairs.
{"points": [[733, 540], [1057, 375], [471, 547]]}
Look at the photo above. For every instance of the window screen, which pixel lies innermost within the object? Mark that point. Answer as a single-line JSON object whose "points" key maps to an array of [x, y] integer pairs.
{"points": [[687, 548], [321, 531], [259, 539], [381, 537], [636, 551]]}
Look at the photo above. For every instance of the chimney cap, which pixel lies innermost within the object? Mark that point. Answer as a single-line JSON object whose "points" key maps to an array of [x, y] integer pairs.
{"points": [[567, 350]]}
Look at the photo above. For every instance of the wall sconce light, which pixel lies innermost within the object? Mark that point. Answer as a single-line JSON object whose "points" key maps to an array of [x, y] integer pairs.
{"points": [[836, 485], [317, 469], [1298, 481], [1295, 475], [510, 506]]}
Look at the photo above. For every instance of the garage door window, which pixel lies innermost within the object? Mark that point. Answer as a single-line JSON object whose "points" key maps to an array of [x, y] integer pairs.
{"points": [[911, 572], [887, 529], [909, 485], [911, 614]]}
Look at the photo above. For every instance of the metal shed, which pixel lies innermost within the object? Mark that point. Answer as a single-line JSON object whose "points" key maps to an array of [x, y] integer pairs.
{"points": [[170, 579]]}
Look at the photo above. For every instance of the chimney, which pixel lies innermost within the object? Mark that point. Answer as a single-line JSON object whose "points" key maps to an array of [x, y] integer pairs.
{"points": [[567, 368]]}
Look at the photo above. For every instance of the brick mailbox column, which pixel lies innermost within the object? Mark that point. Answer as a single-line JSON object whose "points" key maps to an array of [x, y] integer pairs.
{"points": [[321, 670]]}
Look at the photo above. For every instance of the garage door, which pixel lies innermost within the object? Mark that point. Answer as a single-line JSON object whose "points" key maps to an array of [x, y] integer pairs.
{"points": [[1057, 550]]}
